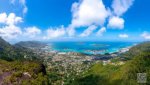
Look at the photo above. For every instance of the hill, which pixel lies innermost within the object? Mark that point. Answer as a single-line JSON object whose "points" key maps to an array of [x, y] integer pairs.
{"points": [[15, 52], [30, 44], [120, 74], [24, 67], [138, 49], [20, 66], [6, 50]]}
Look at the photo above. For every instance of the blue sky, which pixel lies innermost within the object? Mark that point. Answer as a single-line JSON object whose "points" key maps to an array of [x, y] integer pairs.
{"points": [[77, 20]]}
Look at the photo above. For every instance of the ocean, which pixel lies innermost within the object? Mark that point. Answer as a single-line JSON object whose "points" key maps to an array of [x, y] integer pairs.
{"points": [[89, 47]]}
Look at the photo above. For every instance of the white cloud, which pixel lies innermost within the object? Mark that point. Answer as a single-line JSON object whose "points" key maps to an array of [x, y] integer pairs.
{"points": [[101, 31], [123, 36], [86, 13], [3, 17], [146, 35], [121, 6], [116, 23], [55, 32], [32, 31], [10, 32], [89, 12], [88, 31], [93, 12], [11, 19]]}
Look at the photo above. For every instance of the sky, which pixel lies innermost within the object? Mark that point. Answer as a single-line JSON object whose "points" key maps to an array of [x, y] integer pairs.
{"points": [[75, 20]]}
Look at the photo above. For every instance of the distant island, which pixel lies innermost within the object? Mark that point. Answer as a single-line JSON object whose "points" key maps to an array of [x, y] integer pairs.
{"points": [[33, 62]]}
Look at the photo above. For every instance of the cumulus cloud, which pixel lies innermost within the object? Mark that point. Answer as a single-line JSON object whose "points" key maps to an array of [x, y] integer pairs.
{"points": [[123, 36], [9, 29], [88, 31], [146, 35], [10, 19], [3, 17], [101, 31], [116, 23], [85, 13], [88, 12], [32, 31], [121, 6], [13, 19], [55, 32], [93, 12], [10, 32]]}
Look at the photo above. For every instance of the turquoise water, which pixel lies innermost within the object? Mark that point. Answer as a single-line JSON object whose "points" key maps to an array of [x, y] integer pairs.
{"points": [[89, 47]]}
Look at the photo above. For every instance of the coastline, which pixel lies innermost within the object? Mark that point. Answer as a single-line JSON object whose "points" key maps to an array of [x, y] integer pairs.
{"points": [[90, 51]]}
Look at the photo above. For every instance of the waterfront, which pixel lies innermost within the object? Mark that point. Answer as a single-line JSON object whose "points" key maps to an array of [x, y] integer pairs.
{"points": [[89, 47]]}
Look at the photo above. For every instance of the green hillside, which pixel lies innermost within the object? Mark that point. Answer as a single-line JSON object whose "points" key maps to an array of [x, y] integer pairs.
{"points": [[137, 49], [125, 74], [20, 66], [15, 52]]}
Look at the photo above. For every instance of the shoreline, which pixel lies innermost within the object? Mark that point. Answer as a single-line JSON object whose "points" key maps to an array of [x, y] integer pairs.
{"points": [[93, 52]]}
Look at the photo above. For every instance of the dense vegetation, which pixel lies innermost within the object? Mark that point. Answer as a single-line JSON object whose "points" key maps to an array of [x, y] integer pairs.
{"points": [[126, 74], [136, 50], [9, 52], [21, 66], [22, 73]]}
